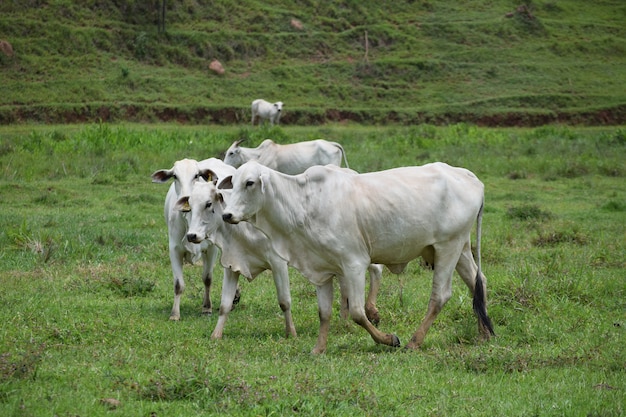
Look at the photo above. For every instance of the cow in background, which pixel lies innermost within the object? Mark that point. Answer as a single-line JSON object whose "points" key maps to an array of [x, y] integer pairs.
{"points": [[290, 159], [265, 110], [185, 173]]}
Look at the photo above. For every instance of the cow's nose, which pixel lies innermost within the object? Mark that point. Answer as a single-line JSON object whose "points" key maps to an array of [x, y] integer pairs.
{"points": [[192, 237], [227, 217]]}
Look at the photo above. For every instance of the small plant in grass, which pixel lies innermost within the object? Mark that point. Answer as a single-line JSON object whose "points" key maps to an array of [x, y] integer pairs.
{"points": [[22, 366], [614, 205], [555, 237], [528, 212], [23, 239], [131, 286]]}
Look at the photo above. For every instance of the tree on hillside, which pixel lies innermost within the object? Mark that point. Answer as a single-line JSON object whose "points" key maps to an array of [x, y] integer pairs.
{"points": [[161, 20]]}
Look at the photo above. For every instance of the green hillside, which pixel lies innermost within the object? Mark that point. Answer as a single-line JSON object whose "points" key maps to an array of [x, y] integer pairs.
{"points": [[492, 62]]}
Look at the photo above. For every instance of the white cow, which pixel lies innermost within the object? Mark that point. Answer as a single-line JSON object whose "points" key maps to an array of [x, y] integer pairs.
{"points": [[327, 222], [289, 159], [245, 250], [185, 172], [266, 111]]}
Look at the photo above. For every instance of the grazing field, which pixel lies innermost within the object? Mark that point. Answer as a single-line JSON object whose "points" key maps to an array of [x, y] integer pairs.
{"points": [[87, 288]]}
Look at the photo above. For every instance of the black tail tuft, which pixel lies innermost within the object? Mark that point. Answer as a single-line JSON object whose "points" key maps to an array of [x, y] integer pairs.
{"points": [[479, 304]]}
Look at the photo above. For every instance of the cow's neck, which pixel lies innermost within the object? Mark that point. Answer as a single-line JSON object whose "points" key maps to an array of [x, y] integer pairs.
{"points": [[282, 213]]}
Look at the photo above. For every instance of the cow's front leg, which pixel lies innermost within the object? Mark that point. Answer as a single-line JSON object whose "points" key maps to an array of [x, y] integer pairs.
{"points": [[208, 263], [229, 288], [325, 307], [353, 285], [375, 272], [280, 272], [176, 260]]}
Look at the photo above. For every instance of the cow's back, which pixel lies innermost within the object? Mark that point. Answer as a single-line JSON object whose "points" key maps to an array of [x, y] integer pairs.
{"points": [[415, 205], [296, 158], [396, 213]]}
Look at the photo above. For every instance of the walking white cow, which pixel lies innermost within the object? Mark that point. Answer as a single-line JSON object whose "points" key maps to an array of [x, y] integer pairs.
{"points": [[291, 159], [265, 110], [185, 173], [327, 222]]}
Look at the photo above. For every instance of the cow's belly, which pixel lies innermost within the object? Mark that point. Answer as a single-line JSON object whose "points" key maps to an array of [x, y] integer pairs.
{"points": [[397, 255]]}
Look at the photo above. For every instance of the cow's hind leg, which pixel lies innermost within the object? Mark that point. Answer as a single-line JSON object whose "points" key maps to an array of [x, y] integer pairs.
{"points": [[468, 270], [441, 290]]}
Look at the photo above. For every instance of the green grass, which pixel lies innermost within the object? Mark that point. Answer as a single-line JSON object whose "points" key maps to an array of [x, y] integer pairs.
{"points": [[434, 61], [86, 284]]}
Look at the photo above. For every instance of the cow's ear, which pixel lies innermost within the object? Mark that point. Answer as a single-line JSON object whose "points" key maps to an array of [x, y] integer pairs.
{"points": [[183, 205], [220, 197], [162, 175], [208, 175], [226, 183], [265, 179]]}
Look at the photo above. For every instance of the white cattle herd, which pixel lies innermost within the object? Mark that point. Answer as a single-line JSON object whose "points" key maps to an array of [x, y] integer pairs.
{"points": [[292, 205]]}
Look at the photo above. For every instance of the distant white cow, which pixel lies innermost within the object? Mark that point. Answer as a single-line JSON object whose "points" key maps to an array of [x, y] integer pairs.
{"points": [[329, 222], [290, 159], [185, 173], [266, 111], [247, 251]]}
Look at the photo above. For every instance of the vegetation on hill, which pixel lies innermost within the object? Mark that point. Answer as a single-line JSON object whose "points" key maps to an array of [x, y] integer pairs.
{"points": [[497, 62]]}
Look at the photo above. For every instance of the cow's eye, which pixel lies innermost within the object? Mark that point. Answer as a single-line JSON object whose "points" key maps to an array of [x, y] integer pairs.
{"points": [[249, 183], [208, 204]]}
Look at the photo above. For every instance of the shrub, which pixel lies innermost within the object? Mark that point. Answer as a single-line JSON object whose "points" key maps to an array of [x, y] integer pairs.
{"points": [[528, 212]]}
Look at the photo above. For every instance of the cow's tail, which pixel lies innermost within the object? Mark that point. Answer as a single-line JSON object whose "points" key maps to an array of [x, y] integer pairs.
{"points": [[480, 303], [345, 158]]}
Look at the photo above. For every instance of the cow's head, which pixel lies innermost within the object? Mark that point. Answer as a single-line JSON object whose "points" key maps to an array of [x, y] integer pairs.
{"points": [[248, 186], [184, 173], [205, 206], [278, 106], [233, 155]]}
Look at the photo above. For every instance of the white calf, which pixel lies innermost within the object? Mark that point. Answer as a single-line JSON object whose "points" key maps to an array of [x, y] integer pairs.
{"points": [[185, 173], [245, 250], [266, 111]]}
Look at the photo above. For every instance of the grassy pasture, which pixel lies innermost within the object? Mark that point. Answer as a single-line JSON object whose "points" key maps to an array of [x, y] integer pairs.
{"points": [[86, 284]]}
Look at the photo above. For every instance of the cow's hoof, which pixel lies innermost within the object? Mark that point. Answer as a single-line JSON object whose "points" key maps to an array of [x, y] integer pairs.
{"points": [[174, 318], [395, 341], [207, 311]]}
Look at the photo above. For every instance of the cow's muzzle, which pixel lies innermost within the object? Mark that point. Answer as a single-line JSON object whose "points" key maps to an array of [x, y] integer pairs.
{"points": [[193, 238], [228, 218]]}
